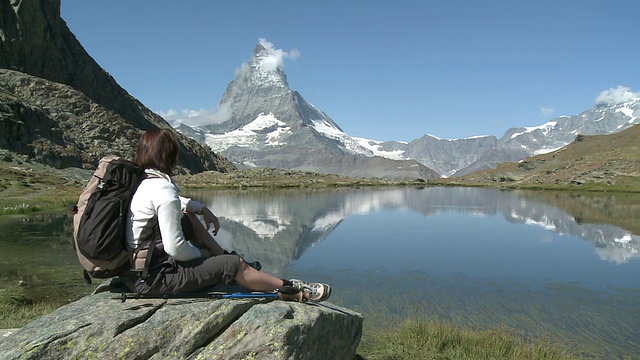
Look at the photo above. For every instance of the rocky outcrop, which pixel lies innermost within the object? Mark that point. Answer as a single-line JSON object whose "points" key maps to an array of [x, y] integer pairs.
{"points": [[35, 41], [100, 327]]}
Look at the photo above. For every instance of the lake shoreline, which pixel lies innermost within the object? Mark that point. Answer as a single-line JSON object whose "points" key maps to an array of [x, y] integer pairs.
{"points": [[26, 186]]}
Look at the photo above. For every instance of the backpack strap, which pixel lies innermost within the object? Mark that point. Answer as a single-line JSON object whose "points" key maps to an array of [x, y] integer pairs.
{"points": [[87, 277], [150, 235], [144, 252]]}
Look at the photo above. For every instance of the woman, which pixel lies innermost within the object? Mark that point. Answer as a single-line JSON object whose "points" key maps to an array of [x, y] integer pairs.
{"points": [[159, 215]]}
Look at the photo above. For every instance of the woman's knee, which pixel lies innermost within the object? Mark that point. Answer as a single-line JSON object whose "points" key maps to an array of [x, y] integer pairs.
{"points": [[243, 264]]}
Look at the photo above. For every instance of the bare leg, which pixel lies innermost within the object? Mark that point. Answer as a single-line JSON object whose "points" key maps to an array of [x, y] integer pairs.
{"points": [[202, 236], [255, 280]]}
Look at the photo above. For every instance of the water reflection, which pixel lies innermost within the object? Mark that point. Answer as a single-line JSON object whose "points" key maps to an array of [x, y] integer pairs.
{"points": [[36, 252], [539, 263], [284, 224]]}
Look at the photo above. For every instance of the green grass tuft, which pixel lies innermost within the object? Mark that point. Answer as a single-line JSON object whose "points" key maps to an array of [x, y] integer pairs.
{"points": [[17, 309], [426, 339]]}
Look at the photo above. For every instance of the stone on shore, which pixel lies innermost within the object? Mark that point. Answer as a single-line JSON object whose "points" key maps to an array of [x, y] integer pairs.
{"points": [[100, 326]]}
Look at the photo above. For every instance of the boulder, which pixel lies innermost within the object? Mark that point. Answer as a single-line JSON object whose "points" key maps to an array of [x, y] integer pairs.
{"points": [[101, 326]]}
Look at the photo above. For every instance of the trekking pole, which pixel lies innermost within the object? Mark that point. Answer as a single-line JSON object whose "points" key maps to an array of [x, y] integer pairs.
{"points": [[285, 293]]}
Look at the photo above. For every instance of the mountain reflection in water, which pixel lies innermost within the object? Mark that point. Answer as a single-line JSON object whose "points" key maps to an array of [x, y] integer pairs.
{"points": [[292, 221]]}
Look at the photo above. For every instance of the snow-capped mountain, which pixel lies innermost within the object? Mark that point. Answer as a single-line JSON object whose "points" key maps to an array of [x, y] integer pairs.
{"points": [[442, 155], [464, 156], [260, 121], [604, 118]]}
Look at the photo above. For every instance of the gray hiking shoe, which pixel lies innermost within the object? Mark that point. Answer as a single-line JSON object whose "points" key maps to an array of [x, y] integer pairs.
{"points": [[315, 292]]}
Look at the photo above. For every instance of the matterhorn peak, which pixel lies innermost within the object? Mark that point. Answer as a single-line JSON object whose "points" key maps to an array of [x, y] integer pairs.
{"points": [[266, 65]]}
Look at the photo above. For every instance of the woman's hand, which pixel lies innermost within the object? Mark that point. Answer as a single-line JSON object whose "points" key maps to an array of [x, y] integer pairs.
{"points": [[209, 218]]}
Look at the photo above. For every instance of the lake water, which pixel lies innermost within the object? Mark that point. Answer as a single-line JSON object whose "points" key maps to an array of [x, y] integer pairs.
{"points": [[546, 264]]}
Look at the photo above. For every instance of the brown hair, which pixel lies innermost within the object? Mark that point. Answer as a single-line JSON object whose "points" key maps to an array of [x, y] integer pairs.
{"points": [[158, 149]]}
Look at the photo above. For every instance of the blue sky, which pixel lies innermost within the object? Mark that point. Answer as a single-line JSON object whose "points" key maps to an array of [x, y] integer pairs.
{"points": [[383, 70]]}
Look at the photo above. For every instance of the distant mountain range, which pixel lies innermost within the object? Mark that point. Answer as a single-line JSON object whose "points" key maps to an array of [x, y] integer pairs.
{"points": [[591, 162], [260, 121]]}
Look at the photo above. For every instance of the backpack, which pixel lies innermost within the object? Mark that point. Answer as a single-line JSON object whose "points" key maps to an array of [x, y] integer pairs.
{"points": [[101, 218]]}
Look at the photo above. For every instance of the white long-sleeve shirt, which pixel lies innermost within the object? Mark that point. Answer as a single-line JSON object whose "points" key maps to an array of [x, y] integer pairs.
{"points": [[159, 195]]}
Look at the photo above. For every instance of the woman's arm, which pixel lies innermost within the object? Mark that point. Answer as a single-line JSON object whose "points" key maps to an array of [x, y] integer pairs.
{"points": [[197, 207]]}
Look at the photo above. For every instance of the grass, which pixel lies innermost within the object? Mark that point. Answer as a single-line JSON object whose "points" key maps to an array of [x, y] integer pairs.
{"points": [[17, 309], [23, 190], [426, 339], [25, 206]]}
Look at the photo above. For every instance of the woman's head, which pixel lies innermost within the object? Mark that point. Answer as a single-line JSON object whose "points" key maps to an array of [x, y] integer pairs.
{"points": [[158, 149]]}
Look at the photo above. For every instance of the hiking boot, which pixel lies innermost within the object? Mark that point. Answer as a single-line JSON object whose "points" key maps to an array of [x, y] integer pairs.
{"points": [[255, 264], [315, 292]]}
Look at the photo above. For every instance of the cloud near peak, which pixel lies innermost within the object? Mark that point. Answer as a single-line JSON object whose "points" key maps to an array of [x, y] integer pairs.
{"points": [[198, 117], [276, 57], [617, 95]]}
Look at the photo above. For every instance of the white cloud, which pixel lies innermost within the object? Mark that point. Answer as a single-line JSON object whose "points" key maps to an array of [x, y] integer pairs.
{"points": [[546, 111], [617, 95], [198, 117], [276, 56]]}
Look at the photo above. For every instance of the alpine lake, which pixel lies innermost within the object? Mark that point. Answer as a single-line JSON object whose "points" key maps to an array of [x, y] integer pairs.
{"points": [[563, 266]]}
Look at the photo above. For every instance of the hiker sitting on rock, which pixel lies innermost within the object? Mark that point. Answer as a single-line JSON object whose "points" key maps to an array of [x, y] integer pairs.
{"points": [[185, 257]]}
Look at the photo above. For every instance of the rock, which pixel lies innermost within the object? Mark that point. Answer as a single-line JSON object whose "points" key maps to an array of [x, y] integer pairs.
{"points": [[59, 107], [101, 327]]}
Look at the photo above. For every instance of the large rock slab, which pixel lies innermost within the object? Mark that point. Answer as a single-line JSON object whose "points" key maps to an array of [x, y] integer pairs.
{"points": [[100, 326]]}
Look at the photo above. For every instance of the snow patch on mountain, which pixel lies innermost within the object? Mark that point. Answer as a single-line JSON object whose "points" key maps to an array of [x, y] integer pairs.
{"points": [[330, 131], [374, 147], [458, 139], [355, 145], [546, 151], [327, 222], [626, 111], [248, 135], [544, 127]]}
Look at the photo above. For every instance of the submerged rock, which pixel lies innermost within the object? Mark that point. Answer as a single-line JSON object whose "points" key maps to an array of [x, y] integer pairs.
{"points": [[100, 326]]}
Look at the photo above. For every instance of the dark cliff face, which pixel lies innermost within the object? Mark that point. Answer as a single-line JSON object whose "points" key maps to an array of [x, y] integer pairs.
{"points": [[36, 41]]}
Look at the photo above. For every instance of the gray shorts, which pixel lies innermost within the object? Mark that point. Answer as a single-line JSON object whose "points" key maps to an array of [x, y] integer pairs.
{"points": [[176, 277]]}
